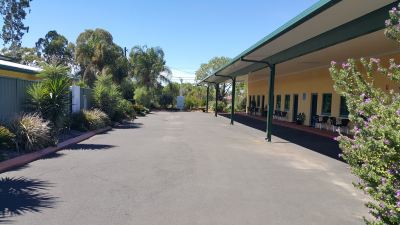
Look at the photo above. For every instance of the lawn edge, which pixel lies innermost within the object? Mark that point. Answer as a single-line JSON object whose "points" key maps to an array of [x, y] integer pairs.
{"points": [[30, 157]]}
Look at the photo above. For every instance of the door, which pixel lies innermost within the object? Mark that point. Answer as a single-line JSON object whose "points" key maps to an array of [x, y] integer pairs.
{"points": [[295, 107], [314, 102]]}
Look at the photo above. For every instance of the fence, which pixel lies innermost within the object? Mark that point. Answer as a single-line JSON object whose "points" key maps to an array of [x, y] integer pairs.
{"points": [[81, 98]]}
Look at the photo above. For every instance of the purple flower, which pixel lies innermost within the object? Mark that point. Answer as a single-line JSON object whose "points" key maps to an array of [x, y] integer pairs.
{"points": [[398, 204], [368, 100], [398, 194], [388, 22], [337, 138], [346, 65], [383, 180], [375, 60], [398, 112], [362, 95], [333, 63], [386, 142]]}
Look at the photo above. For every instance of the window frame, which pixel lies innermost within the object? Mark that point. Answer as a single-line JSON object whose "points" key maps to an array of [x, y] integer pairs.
{"points": [[342, 105], [323, 107], [286, 103], [278, 103]]}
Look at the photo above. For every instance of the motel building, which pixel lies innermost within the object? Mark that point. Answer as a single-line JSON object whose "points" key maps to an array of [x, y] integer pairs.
{"points": [[15, 78], [288, 70]]}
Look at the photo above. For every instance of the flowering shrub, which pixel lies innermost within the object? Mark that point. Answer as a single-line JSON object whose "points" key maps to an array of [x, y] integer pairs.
{"points": [[374, 151]]}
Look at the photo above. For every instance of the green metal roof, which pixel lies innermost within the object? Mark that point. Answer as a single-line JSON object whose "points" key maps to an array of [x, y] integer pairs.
{"points": [[311, 12], [305, 15]]}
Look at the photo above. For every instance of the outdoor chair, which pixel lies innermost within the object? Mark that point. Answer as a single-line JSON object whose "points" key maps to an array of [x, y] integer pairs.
{"points": [[317, 122], [345, 124], [284, 115], [324, 121], [275, 115], [334, 123]]}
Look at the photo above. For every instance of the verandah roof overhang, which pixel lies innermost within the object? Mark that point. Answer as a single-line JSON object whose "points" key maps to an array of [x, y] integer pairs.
{"points": [[325, 24]]}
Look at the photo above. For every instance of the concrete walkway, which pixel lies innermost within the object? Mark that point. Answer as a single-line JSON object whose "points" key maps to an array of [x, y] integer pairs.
{"points": [[182, 169]]}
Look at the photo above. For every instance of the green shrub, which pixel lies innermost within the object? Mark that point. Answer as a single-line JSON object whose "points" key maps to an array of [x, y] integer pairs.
{"points": [[373, 152], [107, 97], [6, 138], [143, 96], [32, 132], [124, 110], [90, 120], [140, 110]]}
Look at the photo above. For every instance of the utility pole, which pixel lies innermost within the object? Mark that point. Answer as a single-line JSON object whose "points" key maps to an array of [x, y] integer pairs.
{"points": [[125, 51]]}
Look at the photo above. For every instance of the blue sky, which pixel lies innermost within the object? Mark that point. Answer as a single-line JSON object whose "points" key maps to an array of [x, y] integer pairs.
{"points": [[190, 32]]}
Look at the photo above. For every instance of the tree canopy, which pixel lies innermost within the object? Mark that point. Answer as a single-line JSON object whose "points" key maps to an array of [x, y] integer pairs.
{"points": [[148, 66], [14, 12], [55, 48], [95, 51], [211, 66]]}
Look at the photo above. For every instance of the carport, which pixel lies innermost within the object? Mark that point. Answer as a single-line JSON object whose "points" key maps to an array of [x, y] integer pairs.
{"points": [[329, 30]]}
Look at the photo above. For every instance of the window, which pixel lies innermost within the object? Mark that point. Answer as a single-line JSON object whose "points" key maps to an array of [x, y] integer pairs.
{"points": [[278, 102], [258, 101], [344, 111], [287, 102], [326, 104]]}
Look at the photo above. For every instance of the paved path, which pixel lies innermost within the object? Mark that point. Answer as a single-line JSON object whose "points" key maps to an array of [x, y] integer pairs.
{"points": [[182, 169]]}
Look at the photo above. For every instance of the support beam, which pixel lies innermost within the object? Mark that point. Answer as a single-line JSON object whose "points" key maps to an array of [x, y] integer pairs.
{"points": [[233, 99], [208, 95], [270, 101], [216, 99]]}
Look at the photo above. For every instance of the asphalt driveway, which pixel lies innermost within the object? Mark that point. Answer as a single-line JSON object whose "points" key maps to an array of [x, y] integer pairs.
{"points": [[182, 169]]}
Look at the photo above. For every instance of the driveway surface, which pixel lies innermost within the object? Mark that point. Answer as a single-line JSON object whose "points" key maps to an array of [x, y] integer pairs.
{"points": [[182, 169]]}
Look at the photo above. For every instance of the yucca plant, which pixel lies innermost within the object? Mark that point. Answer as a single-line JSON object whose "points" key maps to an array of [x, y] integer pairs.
{"points": [[51, 97], [107, 96], [32, 132]]}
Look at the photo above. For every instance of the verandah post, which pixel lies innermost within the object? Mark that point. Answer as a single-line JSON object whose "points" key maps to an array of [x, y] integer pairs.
{"points": [[216, 99], [270, 101], [233, 99], [208, 93]]}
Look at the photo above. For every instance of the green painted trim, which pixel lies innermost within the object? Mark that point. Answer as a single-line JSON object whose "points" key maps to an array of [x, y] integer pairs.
{"points": [[369, 23], [361, 26], [11, 68], [314, 10]]}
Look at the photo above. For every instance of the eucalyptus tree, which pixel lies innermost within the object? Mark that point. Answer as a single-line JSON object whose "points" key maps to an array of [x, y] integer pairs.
{"points": [[13, 13], [148, 66], [210, 67], [23, 55], [55, 49]]}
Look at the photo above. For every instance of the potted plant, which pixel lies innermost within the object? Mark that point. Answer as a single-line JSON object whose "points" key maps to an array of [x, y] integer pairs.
{"points": [[300, 118]]}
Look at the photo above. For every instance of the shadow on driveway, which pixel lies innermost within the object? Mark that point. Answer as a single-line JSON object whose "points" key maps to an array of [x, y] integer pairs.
{"points": [[21, 195], [316, 143], [89, 147], [128, 125]]}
